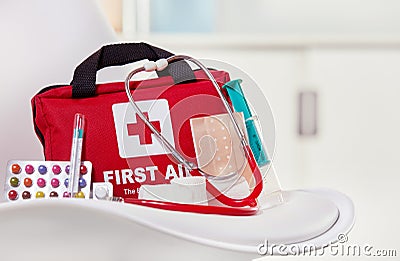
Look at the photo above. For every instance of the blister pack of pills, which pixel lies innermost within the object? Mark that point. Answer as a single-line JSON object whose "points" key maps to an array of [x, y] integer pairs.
{"points": [[44, 179]]}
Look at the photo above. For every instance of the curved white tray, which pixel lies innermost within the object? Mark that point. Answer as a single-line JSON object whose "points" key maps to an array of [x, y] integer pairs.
{"points": [[99, 229]]}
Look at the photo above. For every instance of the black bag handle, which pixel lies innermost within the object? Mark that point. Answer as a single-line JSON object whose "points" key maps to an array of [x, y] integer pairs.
{"points": [[84, 79]]}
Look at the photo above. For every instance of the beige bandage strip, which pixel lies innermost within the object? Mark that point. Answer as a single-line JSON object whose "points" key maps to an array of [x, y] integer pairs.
{"points": [[218, 147]]}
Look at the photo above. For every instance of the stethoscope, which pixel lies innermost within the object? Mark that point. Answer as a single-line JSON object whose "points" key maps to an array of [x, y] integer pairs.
{"points": [[244, 206]]}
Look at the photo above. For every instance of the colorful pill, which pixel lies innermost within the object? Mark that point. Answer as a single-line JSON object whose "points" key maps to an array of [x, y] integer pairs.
{"points": [[14, 182], [41, 182], [80, 194], [26, 195], [56, 169], [55, 183], [83, 169], [66, 194], [42, 169], [15, 168], [12, 194], [82, 182], [53, 194], [39, 194], [66, 182], [67, 168], [29, 169], [27, 182]]}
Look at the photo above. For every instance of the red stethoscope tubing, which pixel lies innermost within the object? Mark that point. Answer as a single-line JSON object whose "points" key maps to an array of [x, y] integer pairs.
{"points": [[199, 209]]}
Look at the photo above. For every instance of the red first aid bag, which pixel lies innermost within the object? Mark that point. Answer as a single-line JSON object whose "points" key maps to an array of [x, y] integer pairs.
{"points": [[114, 155], [122, 149]]}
